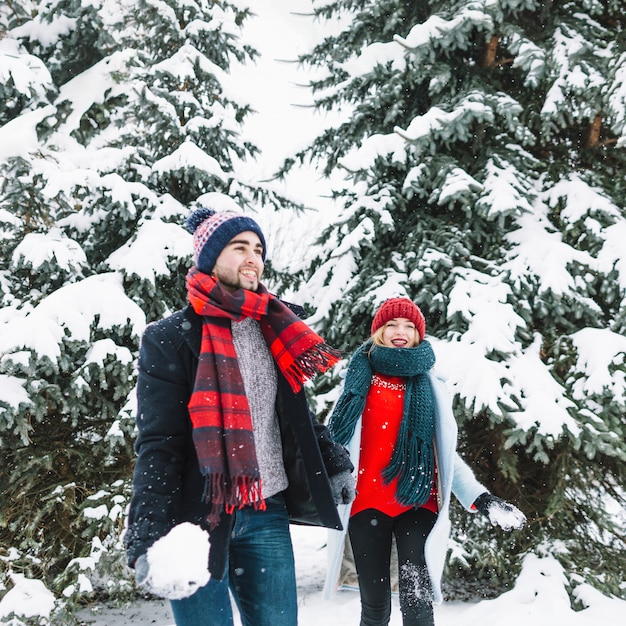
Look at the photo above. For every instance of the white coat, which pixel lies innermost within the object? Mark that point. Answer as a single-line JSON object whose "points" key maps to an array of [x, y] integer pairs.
{"points": [[455, 476]]}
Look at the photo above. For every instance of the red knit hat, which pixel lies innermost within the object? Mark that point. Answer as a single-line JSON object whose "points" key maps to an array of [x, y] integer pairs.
{"points": [[399, 307]]}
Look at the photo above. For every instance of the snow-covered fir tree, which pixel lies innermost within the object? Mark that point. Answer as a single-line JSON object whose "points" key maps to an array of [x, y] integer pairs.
{"points": [[484, 151], [116, 118]]}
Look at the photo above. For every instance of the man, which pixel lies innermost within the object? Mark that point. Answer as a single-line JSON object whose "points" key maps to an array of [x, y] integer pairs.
{"points": [[225, 437]]}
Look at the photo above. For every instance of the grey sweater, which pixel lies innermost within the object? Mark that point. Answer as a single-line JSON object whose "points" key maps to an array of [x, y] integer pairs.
{"points": [[258, 372]]}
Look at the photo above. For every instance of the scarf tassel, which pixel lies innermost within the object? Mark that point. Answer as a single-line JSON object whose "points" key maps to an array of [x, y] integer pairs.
{"points": [[242, 492], [342, 429], [315, 360], [414, 484]]}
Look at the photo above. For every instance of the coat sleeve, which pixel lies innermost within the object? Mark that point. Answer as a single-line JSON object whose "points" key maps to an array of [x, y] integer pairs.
{"points": [[465, 485], [162, 441], [457, 474]]}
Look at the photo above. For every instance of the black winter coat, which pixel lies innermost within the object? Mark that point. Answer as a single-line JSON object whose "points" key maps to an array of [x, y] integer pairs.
{"points": [[167, 484]]}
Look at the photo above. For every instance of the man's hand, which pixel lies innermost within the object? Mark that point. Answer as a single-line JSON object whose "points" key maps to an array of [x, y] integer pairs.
{"points": [[165, 584], [342, 486], [142, 572], [176, 565]]}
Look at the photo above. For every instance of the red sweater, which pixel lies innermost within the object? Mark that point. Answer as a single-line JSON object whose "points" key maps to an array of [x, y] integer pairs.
{"points": [[380, 426]]}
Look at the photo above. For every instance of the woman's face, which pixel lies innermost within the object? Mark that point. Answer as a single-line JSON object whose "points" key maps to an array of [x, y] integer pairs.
{"points": [[400, 332]]}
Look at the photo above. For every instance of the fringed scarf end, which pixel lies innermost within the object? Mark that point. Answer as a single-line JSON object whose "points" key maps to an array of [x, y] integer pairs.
{"points": [[243, 491], [343, 421], [316, 360], [414, 486]]}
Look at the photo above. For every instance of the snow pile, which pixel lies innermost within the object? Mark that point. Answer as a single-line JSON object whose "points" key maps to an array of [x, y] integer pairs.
{"points": [[540, 598], [178, 562], [28, 598]]}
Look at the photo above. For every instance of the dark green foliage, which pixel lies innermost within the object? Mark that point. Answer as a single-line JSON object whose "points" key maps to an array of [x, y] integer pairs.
{"points": [[124, 128], [483, 156]]}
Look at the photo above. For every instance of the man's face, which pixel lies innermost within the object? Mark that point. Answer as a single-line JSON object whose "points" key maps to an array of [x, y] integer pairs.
{"points": [[240, 264]]}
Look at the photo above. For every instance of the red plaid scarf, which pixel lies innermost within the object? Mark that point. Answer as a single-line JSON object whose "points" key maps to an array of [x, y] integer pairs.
{"points": [[218, 407]]}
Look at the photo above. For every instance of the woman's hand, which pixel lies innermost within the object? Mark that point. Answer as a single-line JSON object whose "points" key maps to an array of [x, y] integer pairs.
{"points": [[499, 512]]}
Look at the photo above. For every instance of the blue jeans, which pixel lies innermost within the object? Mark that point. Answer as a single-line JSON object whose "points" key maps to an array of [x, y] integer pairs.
{"points": [[261, 575]]}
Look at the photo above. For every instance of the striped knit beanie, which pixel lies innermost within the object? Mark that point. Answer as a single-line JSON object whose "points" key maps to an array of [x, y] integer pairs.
{"points": [[399, 307], [212, 231]]}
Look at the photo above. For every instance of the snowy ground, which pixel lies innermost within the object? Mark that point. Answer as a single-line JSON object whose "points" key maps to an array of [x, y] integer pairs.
{"points": [[539, 599], [313, 609]]}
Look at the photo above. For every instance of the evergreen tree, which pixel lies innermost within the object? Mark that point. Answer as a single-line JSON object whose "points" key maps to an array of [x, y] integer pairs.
{"points": [[484, 178], [116, 118]]}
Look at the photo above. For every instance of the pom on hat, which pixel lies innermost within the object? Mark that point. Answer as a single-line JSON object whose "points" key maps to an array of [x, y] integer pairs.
{"points": [[212, 231], [399, 307]]}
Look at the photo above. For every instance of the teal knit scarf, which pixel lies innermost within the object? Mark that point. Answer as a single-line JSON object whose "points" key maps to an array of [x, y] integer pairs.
{"points": [[413, 459]]}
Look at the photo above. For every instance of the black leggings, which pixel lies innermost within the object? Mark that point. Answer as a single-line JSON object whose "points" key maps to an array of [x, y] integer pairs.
{"points": [[371, 537]]}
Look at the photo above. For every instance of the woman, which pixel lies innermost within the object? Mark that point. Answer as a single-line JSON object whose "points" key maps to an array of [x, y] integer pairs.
{"points": [[396, 420]]}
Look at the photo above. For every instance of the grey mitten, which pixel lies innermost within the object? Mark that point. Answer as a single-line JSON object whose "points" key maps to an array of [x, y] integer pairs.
{"points": [[342, 486], [499, 512], [142, 572]]}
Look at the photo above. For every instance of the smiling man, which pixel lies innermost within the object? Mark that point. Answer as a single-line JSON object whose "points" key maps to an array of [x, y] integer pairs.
{"points": [[240, 264], [226, 440]]}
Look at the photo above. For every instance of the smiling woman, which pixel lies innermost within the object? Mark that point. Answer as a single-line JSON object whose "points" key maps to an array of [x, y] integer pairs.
{"points": [[398, 323], [396, 420], [399, 332]]}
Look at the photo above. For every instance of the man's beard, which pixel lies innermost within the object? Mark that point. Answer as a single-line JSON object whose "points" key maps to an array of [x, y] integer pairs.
{"points": [[232, 284]]}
